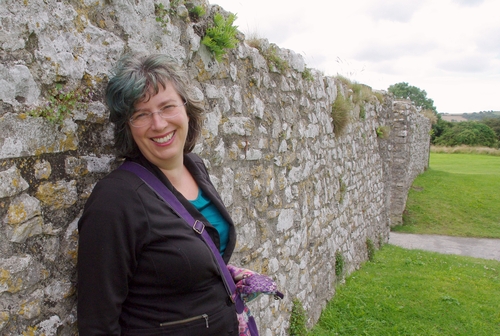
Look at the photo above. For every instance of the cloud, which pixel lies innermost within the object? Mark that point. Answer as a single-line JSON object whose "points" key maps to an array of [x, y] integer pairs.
{"points": [[470, 3], [437, 45], [488, 41], [465, 64], [389, 50], [394, 10]]}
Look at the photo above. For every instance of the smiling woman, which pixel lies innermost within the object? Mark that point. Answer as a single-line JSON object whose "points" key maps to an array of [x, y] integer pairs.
{"points": [[141, 269]]}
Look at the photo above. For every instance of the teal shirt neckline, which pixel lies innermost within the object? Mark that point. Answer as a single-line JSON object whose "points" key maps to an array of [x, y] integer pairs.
{"points": [[208, 209]]}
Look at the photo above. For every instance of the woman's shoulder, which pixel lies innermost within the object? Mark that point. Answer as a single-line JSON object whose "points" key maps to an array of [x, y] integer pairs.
{"points": [[118, 184], [194, 158]]}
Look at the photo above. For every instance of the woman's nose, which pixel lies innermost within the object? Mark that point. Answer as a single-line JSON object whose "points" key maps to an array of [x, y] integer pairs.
{"points": [[158, 122]]}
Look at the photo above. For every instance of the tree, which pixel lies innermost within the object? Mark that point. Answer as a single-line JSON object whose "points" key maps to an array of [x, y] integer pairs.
{"points": [[438, 128], [468, 133], [494, 124], [416, 95]]}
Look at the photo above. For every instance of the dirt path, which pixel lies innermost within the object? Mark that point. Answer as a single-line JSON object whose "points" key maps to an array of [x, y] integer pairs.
{"points": [[472, 247]]}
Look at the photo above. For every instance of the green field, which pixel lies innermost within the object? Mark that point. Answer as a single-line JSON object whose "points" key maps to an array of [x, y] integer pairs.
{"points": [[459, 195], [411, 292]]}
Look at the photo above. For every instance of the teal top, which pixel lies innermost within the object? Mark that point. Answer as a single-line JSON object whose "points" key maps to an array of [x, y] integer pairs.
{"points": [[210, 212]]}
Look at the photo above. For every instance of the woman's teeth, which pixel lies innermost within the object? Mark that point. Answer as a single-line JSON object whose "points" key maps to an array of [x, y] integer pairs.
{"points": [[164, 139]]}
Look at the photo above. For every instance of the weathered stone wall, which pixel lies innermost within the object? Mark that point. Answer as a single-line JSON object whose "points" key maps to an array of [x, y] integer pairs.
{"points": [[297, 191]]}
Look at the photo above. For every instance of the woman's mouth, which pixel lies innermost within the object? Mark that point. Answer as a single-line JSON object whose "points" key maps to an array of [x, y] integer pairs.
{"points": [[164, 139]]}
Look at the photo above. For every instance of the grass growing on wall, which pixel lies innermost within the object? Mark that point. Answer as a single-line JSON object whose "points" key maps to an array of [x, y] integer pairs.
{"points": [[459, 195], [298, 319], [339, 265], [274, 61], [341, 109]]}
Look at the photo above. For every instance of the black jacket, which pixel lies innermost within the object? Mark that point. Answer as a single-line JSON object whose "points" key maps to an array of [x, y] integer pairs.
{"points": [[140, 265]]}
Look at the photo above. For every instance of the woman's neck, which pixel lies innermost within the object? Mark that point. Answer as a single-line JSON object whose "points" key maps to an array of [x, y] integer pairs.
{"points": [[183, 181]]}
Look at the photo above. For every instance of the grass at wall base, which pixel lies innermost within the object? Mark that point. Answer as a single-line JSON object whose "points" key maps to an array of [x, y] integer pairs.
{"points": [[412, 292]]}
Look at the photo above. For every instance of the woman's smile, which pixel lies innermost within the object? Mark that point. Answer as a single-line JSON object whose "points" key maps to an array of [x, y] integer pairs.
{"points": [[164, 139]]}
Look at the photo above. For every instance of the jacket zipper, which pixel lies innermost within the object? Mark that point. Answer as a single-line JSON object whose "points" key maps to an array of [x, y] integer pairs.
{"points": [[191, 319]]}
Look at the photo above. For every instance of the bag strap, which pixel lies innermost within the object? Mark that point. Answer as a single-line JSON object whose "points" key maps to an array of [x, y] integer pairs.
{"points": [[199, 227]]}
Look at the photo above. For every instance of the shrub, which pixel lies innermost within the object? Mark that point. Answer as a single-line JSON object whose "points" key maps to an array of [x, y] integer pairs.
{"points": [[431, 115], [468, 133], [339, 264], [494, 124], [341, 108], [221, 35], [298, 319], [370, 249], [383, 132]]}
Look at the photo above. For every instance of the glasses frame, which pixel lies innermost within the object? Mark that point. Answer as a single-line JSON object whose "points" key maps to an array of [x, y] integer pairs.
{"points": [[150, 115]]}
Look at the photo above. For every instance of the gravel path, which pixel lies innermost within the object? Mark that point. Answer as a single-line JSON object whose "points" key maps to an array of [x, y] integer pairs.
{"points": [[473, 247]]}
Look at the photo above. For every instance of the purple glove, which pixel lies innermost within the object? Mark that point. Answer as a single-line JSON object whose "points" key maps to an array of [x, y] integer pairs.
{"points": [[249, 284]]}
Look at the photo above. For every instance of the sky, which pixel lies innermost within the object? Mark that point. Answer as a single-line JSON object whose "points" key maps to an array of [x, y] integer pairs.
{"points": [[449, 48]]}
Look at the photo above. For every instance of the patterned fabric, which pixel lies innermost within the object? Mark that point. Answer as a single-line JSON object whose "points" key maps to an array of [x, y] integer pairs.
{"points": [[250, 285], [243, 319]]}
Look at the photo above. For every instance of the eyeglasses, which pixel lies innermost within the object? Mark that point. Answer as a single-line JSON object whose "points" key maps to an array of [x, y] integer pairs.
{"points": [[142, 118]]}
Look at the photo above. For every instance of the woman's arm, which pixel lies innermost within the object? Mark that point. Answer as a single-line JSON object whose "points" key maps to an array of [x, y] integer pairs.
{"points": [[111, 231]]}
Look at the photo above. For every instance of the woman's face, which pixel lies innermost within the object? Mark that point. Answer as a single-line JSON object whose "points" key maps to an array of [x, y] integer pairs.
{"points": [[162, 141]]}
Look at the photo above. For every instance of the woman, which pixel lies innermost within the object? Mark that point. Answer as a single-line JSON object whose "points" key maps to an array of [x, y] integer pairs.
{"points": [[141, 269]]}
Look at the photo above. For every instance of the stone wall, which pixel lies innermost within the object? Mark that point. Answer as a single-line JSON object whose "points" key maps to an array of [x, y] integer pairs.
{"points": [[298, 190]]}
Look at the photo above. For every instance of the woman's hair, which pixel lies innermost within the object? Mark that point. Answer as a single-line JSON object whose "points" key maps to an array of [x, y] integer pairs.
{"points": [[137, 77]]}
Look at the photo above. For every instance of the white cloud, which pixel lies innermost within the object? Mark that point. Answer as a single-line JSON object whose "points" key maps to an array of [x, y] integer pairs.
{"points": [[450, 48], [393, 10]]}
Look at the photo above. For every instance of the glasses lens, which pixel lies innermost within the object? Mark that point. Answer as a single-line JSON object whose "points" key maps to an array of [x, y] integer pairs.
{"points": [[140, 120], [167, 112]]}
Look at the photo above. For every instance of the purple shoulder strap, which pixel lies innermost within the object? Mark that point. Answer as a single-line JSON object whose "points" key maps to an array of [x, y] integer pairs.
{"points": [[197, 226]]}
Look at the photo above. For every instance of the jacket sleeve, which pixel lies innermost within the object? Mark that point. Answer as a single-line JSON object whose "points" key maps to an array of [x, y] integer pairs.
{"points": [[111, 232]]}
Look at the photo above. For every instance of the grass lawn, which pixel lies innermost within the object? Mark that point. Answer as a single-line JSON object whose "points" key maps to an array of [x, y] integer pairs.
{"points": [[411, 292], [458, 196]]}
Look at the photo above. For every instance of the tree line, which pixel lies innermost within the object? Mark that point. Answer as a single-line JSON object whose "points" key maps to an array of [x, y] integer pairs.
{"points": [[481, 129]]}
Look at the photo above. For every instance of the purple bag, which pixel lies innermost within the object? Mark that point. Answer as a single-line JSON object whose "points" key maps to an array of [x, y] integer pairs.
{"points": [[249, 285]]}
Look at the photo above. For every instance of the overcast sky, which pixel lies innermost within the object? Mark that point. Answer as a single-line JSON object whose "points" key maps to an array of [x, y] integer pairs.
{"points": [[449, 48]]}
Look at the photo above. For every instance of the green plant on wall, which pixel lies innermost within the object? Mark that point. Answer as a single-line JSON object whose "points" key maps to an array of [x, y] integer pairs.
{"points": [[274, 60], [383, 132], [161, 14], [342, 190], [339, 264], [221, 35], [341, 108], [362, 112], [298, 319], [196, 12], [307, 75], [61, 103], [370, 248]]}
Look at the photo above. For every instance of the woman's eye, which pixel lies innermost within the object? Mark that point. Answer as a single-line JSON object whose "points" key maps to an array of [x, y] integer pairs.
{"points": [[141, 115], [168, 108]]}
